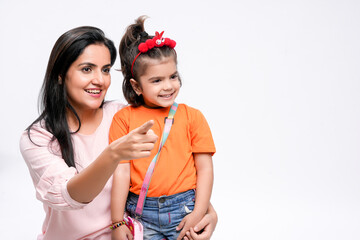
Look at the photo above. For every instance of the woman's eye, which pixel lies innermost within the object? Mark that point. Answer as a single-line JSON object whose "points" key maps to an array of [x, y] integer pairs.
{"points": [[175, 76], [86, 69], [106, 70]]}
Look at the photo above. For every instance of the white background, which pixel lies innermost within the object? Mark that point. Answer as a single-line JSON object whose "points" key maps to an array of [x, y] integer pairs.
{"points": [[278, 82]]}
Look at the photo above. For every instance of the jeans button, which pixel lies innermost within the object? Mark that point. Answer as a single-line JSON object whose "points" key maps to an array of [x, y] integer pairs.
{"points": [[161, 200]]}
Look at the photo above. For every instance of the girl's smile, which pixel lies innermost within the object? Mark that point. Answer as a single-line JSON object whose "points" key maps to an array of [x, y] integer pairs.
{"points": [[160, 84]]}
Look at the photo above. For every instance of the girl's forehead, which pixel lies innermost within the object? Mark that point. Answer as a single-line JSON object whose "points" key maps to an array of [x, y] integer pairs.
{"points": [[156, 61], [159, 68]]}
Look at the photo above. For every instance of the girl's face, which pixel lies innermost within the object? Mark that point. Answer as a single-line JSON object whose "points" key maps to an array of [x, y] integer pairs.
{"points": [[88, 78], [159, 84]]}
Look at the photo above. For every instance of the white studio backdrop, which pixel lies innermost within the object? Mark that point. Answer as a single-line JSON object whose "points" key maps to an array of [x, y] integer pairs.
{"points": [[278, 82]]}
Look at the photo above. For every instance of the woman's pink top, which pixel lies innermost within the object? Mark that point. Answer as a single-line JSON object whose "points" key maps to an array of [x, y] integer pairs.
{"points": [[66, 218]]}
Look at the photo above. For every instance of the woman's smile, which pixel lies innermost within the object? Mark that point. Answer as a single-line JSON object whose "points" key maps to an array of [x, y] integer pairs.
{"points": [[94, 92], [88, 78]]}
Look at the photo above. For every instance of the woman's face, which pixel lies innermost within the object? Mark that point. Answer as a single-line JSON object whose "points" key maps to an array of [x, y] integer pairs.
{"points": [[88, 78]]}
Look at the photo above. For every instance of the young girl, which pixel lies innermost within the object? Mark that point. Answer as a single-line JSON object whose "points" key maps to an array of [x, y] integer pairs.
{"points": [[151, 84]]}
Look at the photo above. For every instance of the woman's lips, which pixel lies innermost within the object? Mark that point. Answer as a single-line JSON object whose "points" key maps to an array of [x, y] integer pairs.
{"points": [[96, 93], [93, 91]]}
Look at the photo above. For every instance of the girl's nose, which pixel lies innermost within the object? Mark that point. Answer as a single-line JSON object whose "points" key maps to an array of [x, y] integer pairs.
{"points": [[167, 85]]}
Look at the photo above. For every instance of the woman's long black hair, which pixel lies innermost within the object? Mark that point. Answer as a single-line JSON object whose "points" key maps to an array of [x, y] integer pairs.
{"points": [[53, 101]]}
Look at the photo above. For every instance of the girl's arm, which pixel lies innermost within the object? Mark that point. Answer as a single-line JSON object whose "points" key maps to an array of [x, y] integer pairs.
{"points": [[204, 183], [119, 193]]}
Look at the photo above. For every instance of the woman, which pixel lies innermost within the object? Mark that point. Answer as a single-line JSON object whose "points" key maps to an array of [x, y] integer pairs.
{"points": [[66, 148]]}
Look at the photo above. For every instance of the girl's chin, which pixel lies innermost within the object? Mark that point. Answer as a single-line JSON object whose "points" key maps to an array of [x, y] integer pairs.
{"points": [[159, 104]]}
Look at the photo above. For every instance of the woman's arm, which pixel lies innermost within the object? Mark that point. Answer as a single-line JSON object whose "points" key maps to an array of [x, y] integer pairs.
{"points": [[86, 185], [60, 186], [205, 228]]}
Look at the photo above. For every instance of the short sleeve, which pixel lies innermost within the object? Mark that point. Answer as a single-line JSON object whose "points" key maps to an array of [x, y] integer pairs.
{"points": [[48, 170], [201, 137], [120, 124]]}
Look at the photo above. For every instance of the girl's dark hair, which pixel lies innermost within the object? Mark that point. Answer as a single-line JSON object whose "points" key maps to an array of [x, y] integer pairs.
{"points": [[53, 101], [128, 49]]}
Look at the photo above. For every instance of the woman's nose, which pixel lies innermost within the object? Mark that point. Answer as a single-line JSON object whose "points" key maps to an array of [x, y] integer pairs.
{"points": [[98, 78]]}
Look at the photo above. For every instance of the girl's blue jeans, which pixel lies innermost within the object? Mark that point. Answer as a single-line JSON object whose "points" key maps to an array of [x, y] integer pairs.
{"points": [[161, 215]]}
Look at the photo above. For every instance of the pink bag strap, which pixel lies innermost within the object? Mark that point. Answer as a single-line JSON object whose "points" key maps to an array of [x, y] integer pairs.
{"points": [[145, 187]]}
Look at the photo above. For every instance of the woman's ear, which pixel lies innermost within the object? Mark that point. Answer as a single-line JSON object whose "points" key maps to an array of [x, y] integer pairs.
{"points": [[60, 80], [136, 86]]}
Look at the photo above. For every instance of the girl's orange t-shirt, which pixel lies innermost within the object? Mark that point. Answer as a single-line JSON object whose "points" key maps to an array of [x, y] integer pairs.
{"points": [[175, 170]]}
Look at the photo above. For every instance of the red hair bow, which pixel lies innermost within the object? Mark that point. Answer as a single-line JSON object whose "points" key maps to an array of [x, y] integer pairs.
{"points": [[156, 41]]}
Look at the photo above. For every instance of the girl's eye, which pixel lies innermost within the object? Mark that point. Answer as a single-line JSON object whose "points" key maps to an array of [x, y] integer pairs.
{"points": [[156, 81], [175, 76]]}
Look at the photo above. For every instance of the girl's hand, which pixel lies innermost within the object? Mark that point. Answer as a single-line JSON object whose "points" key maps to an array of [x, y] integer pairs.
{"points": [[136, 144], [204, 229], [188, 222], [121, 233]]}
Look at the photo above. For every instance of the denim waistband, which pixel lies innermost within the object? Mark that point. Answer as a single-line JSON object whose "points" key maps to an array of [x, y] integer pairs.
{"points": [[164, 200]]}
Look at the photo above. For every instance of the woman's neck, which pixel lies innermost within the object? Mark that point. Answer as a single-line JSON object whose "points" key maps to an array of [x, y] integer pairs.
{"points": [[90, 120]]}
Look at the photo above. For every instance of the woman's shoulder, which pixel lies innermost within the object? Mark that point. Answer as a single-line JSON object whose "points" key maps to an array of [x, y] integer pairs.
{"points": [[126, 110], [37, 134], [38, 128], [112, 107]]}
